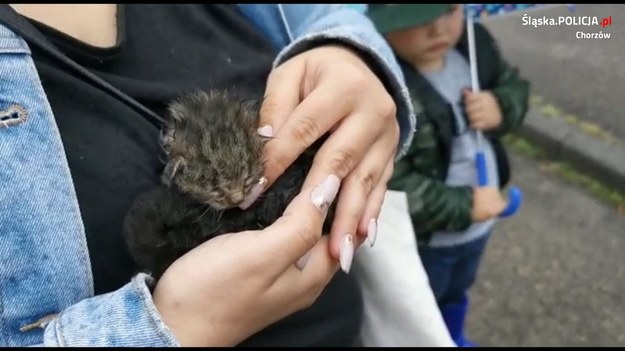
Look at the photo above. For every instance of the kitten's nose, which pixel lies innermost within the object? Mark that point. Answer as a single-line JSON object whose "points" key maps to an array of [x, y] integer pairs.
{"points": [[237, 197]]}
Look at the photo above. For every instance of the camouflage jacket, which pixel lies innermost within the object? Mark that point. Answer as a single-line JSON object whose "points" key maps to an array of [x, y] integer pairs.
{"points": [[421, 173]]}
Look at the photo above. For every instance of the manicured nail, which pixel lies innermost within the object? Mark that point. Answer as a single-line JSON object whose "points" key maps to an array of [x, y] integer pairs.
{"points": [[323, 195], [254, 194], [346, 252], [266, 131], [372, 231], [301, 263]]}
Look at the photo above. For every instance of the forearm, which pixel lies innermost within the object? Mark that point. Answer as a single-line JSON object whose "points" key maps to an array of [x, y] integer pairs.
{"points": [[434, 205], [124, 318], [512, 95]]}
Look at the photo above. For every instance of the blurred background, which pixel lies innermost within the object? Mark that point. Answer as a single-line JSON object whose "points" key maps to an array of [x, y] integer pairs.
{"points": [[554, 273]]}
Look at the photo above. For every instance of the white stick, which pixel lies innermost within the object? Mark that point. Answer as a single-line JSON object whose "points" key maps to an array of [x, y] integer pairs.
{"points": [[475, 84]]}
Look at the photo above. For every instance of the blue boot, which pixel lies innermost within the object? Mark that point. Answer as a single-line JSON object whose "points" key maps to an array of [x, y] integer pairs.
{"points": [[454, 316]]}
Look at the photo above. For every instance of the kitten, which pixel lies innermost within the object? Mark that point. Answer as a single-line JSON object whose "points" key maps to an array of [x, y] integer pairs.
{"points": [[214, 160]]}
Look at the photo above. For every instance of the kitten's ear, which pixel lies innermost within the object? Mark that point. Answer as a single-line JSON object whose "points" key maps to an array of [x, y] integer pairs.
{"points": [[172, 167], [177, 111], [257, 106]]}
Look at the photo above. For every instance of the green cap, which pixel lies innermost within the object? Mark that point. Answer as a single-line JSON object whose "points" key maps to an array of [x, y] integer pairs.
{"points": [[392, 17]]}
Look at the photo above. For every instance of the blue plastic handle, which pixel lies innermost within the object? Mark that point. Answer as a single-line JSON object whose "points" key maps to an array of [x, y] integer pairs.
{"points": [[482, 172], [515, 196]]}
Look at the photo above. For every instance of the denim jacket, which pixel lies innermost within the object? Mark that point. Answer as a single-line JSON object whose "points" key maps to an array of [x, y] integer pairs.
{"points": [[44, 263]]}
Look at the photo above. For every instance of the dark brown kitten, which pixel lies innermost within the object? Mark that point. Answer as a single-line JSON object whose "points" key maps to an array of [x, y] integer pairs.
{"points": [[213, 149], [214, 159]]}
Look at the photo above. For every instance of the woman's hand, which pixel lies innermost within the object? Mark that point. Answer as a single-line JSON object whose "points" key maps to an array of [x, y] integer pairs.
{"points": [[234, 285], [331, 89]]}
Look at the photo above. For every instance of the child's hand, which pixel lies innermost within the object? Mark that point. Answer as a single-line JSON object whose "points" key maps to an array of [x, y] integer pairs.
{"points": [[482, 110], [487, 203]]}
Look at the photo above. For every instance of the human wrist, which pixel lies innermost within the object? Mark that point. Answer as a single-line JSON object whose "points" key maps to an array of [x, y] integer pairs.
{"points": [[190, 329]]}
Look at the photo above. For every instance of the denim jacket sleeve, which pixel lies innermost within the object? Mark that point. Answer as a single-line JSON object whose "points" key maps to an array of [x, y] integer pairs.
{"points": [[46, 286], [51, 275], [126, 317], [294, 28]]}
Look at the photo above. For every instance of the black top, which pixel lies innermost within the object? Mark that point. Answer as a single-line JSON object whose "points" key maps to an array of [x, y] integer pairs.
{"points": [[162, 52]]}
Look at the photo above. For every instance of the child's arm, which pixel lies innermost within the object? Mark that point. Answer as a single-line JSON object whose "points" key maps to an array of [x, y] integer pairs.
{"points": [[512, 93], [433, 204]]}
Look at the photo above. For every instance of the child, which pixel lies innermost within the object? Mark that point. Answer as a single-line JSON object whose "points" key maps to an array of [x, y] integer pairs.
{"points": [[452, 217]]}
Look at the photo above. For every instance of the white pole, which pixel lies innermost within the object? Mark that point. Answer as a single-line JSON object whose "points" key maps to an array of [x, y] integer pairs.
{"points": [[475, 84]]}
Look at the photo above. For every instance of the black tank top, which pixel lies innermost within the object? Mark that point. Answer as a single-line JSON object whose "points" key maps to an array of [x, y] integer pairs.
{"points": [[163, 52]]}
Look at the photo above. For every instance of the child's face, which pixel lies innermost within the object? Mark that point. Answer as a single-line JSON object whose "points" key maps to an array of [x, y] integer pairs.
{"points": [[428, 43]]}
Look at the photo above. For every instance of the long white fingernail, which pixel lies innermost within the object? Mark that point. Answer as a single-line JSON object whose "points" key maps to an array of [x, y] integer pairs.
{"points": [[323, 195], [372, 231], [346, 252], [266, 131], [301, 263], [254, 194]]}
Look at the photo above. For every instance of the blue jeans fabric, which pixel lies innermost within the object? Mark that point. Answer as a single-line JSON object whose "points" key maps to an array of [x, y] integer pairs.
{"points": [[452, 270]]}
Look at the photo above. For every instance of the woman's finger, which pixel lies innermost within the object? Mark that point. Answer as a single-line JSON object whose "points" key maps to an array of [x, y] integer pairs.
{"points": [[369, 222], [282, 95], [354, 195], [299, 229], [310, 120]]}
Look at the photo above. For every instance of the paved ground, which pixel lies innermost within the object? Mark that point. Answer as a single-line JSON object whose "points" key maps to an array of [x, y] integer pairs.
{"points": [[554, 274], [585, 77]]}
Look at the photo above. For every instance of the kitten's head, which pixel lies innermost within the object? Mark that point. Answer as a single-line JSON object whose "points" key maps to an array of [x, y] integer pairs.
{"points": [[214, 151]]}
